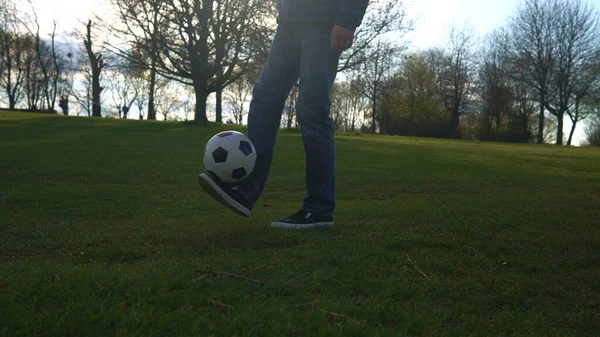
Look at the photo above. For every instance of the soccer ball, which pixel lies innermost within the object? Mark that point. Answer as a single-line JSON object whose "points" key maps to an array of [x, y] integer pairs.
{"points": [[230, 156]]}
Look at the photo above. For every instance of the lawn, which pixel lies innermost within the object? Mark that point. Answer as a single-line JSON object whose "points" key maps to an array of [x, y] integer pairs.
{"points": [[104, 231]]}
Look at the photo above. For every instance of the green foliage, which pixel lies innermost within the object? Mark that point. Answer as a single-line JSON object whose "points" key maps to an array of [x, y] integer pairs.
{"points": [[105, 232], [593, 130], [412, 107]]}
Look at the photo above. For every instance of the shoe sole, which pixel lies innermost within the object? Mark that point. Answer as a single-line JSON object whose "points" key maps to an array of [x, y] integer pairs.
{"points": [[286, 225], [219, 195]]}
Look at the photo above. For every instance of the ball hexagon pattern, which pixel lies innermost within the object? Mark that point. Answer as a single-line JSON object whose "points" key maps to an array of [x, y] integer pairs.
{"points": [[230, 156], [220, 155]]}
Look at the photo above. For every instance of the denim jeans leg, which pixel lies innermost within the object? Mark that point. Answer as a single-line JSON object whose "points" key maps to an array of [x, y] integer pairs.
{"points": [[318, 69], [268, 99]]}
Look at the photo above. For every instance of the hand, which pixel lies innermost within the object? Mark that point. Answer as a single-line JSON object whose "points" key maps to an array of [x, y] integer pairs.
{"points": [[341, 38]]}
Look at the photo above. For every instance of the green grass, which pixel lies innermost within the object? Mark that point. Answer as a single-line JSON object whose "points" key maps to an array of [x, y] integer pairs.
{"points": [[105, 232]]}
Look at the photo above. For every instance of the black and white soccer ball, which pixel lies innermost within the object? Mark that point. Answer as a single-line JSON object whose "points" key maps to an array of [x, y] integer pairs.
{"points": [[230, 156]]}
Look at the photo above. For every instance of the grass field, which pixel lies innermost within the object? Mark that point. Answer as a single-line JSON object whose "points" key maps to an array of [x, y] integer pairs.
{"points": [[104, 231]]}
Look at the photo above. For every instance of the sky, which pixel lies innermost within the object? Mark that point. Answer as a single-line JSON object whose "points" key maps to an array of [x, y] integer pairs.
{"points": [[433, 18]]}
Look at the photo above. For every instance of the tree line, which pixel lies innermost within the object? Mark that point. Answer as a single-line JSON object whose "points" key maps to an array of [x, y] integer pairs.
{"points": [[160, 57], [517, 84]]}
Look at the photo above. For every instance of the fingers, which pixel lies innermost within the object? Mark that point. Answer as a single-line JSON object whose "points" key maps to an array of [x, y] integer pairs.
{"points": [[348, 44], [340, 42], [335, 41], [341, 38]]}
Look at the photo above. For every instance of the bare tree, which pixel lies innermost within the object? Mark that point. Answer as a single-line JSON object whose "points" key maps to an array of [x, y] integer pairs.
{"points": [[169, 96], [34, 79], [592, 130], [383, 18], [140, 22], [376, 72], [586, 94], [122, 90], [97, 64], [46, 56], [65, 83], [237, 98], [576, 33], [456, 68], [82, 92], [12, 57], [358, 104], [530, 49], [201, 43], [140, 84]]}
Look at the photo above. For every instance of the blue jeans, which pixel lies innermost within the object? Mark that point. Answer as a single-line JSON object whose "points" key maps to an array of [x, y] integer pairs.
{"points": [[298, 52]]}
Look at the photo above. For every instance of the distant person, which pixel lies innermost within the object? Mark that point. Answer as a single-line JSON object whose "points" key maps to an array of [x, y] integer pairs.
{"points": [[310, 37]]}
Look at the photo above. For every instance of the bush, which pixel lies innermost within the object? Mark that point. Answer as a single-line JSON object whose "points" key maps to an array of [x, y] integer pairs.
{"points": [[593, 131]]}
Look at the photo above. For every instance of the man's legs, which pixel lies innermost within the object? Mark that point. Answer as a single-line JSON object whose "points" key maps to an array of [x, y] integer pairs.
{"points": [[269, 95], [298, 51], [318, 69]]}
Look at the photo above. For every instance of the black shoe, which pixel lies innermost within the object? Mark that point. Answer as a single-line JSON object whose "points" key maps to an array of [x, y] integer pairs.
{"points": [[303, 220], [230, 196]]}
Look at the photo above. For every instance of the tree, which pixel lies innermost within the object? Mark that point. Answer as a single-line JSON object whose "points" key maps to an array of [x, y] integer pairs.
{"points": [[456, 66], [414, 101], [237, 98], [529, 46], [524, 109], [138, 78], [382, 18], [123, 92], [201, 43], [575, 32], [357, 104], [586, 94], [376, 72], [97, 64], [12, 65], [34, 79], [12, 54], [168, 98], [494, 90], [593, 128], [505, 104], [83, 91], [65, 84], [140, 22], [48, 62]]}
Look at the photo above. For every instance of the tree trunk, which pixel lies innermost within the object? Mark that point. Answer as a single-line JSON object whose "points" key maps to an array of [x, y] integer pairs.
{"points": [[153, 61], [559, 129], [64, 104], [219, 107], [96, 89], [11, 97], [151, 89], [497, 113], [97, 64], [454, 121], [571, 135], [541, 121], [12, 102], [574, 121], [374, 110], [524, 122], [200, 108]]}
